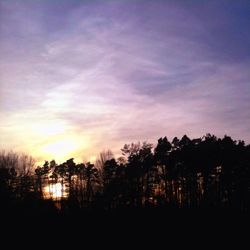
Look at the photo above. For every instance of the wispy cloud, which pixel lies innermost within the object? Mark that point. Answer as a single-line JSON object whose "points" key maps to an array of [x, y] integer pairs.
{"points": [[100, 74]]}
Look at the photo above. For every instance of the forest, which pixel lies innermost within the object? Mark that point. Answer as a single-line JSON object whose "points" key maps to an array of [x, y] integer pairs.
{"points": [[182, 174]]}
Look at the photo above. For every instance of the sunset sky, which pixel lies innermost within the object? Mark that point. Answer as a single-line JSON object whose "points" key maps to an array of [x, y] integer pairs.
{"points": [[77, 77]]}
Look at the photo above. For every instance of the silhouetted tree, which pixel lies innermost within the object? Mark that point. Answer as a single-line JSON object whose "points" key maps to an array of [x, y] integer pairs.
{"points": [[91, 175], [206, 172]]}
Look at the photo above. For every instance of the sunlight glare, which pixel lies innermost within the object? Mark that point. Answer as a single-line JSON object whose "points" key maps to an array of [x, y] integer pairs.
{"points": [[54, 191]]}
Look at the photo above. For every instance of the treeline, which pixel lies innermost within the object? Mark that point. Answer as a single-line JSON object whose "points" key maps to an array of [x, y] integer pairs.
{"points": [[207, 172]]}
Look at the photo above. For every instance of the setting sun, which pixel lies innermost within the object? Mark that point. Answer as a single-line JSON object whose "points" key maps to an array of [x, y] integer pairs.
{"points": [[54, 191]]}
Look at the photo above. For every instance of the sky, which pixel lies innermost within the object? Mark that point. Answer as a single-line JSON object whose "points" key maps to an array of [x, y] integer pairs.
{"points": [[77, 77]]}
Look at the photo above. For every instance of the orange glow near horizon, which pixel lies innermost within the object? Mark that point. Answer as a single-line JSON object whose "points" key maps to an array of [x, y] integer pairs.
{"points": [[59, 143]]}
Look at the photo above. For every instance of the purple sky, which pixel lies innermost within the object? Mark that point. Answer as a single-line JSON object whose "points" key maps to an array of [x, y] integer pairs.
{"points": [[77, 77]]}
